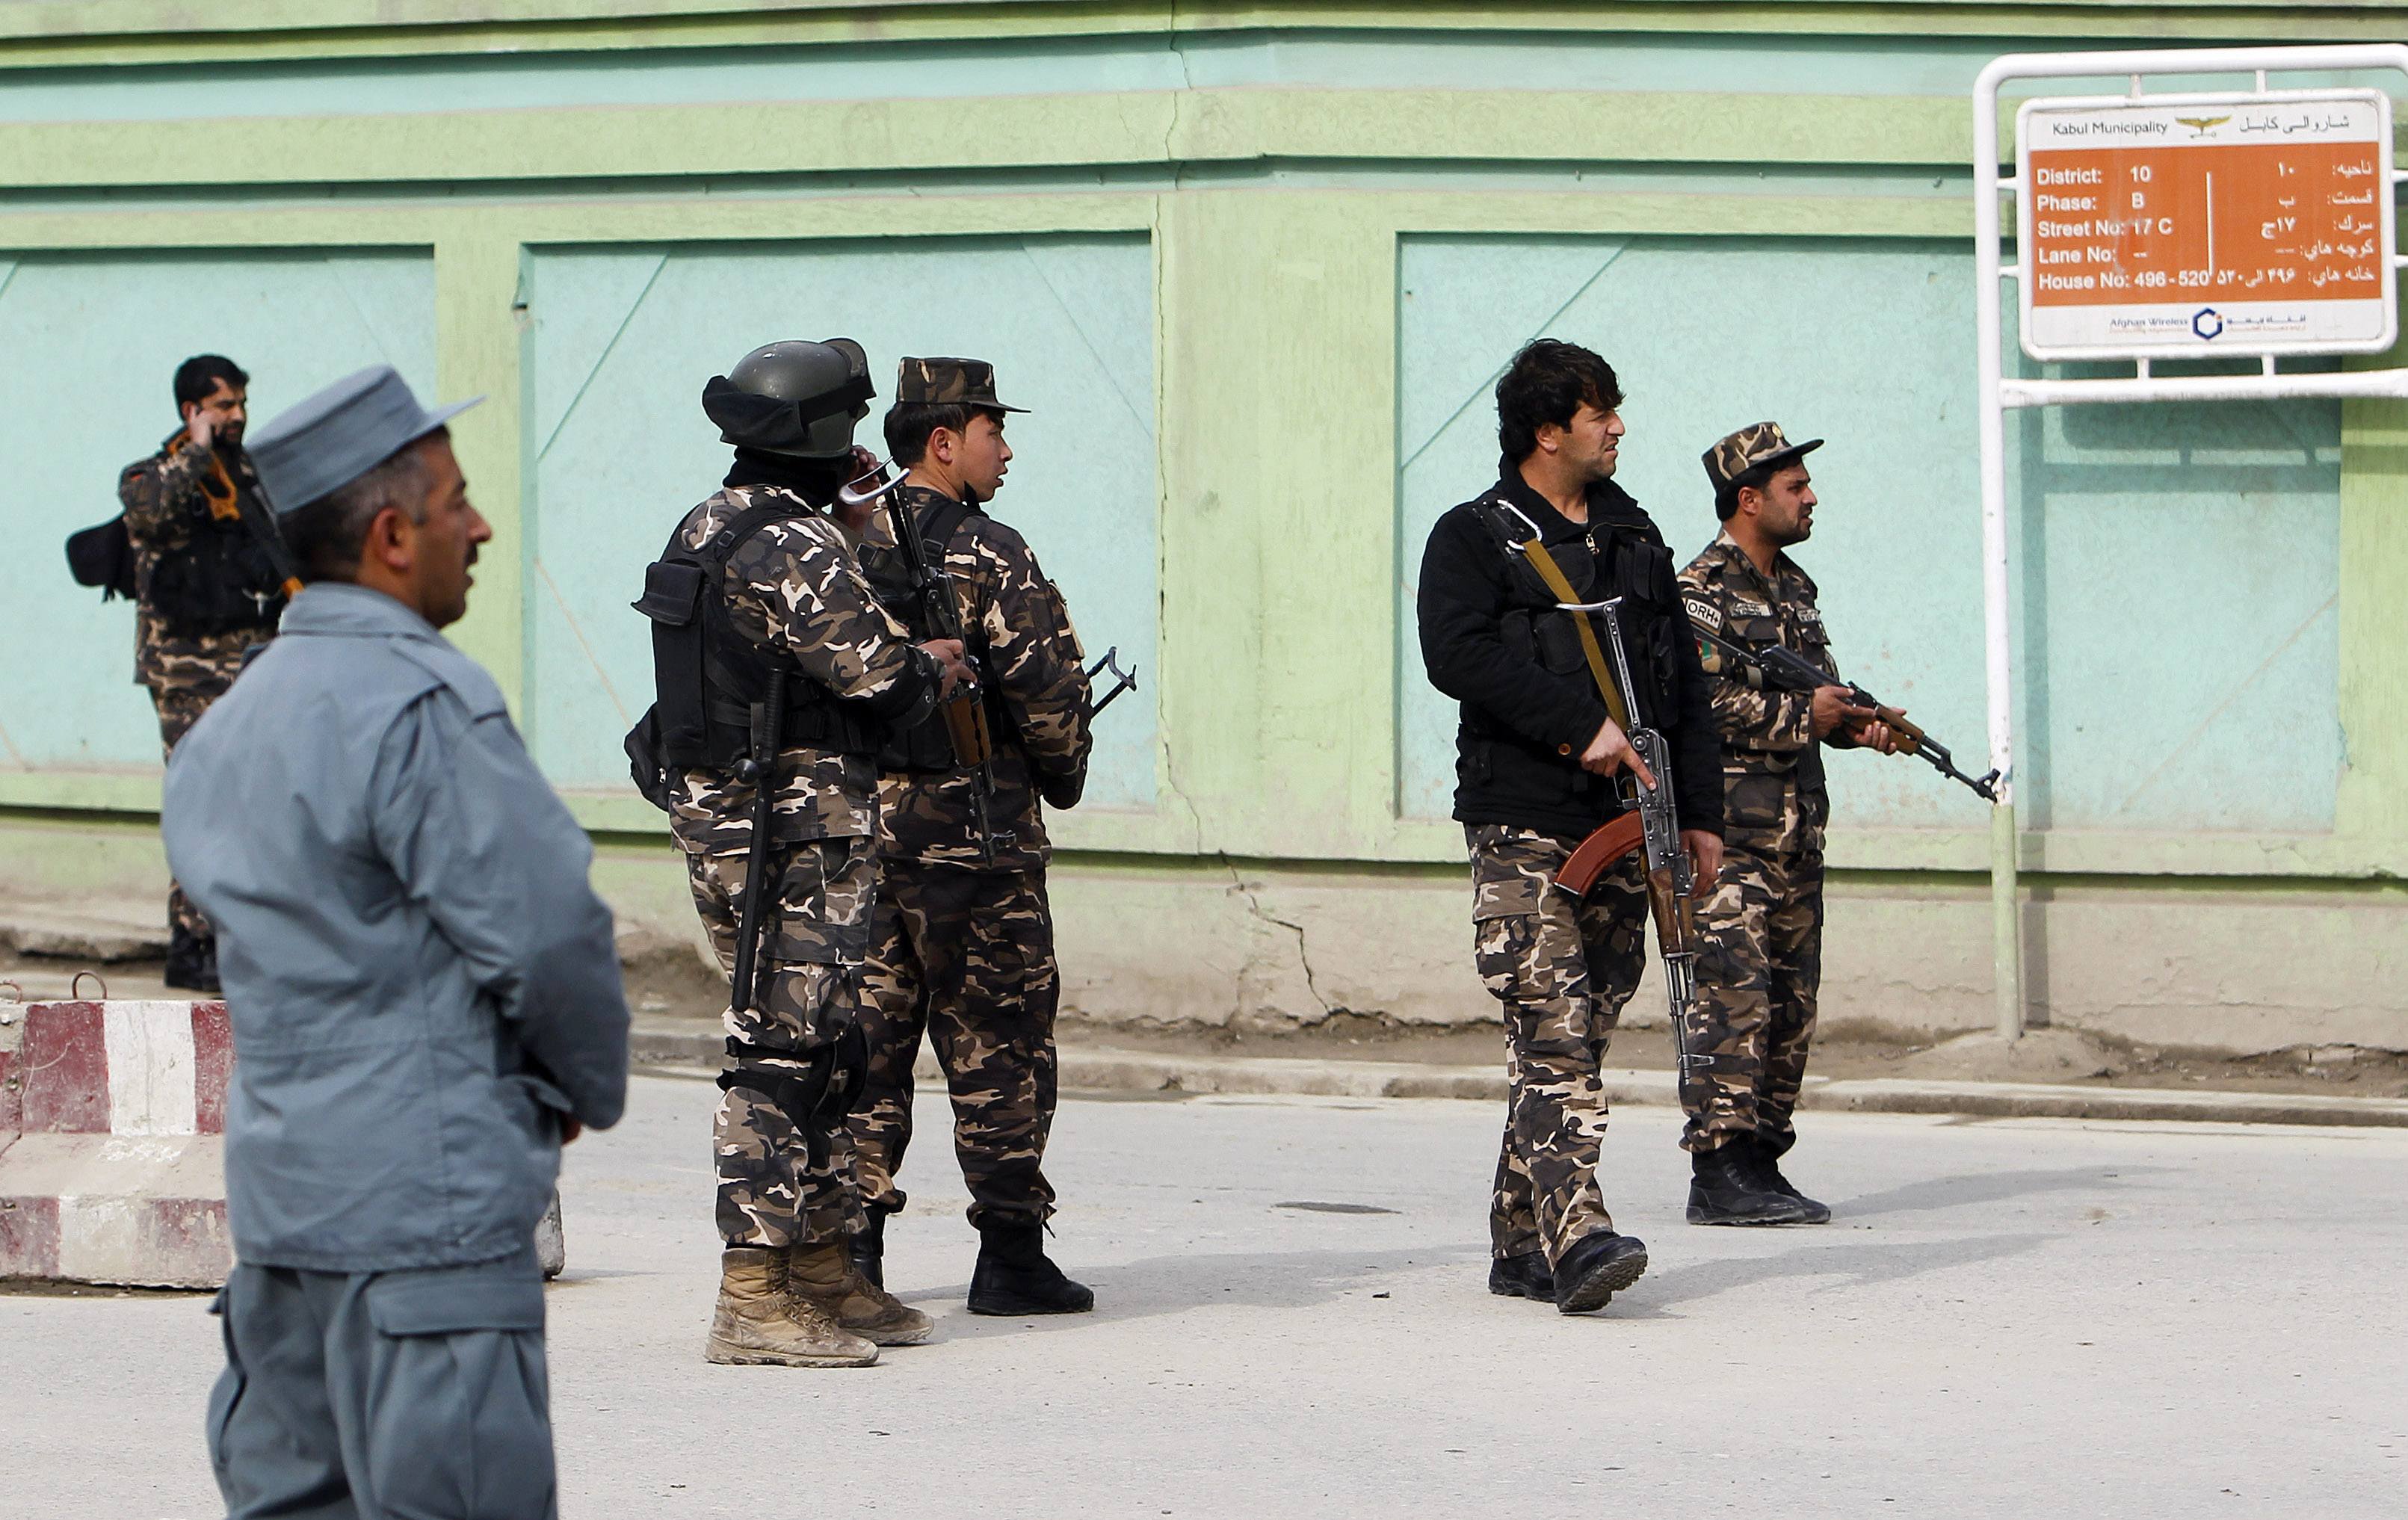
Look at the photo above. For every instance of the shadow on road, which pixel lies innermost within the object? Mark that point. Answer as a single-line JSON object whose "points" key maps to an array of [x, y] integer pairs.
{"points": [[1982, 1187], [1856, 1263], [1306, 1279], [1254, 1280]]}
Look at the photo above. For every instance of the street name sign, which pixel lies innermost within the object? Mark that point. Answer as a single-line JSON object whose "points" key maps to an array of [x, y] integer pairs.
{"points": [[2193, 225]]}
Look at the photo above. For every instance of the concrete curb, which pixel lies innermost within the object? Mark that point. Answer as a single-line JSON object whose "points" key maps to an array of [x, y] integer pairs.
{"points": [[64, 933], [676, 1044]]}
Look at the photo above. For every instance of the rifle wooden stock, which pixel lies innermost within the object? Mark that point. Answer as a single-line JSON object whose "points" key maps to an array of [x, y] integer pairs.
{"points": [[1598, 853], [965, 726], [1676, 917]]}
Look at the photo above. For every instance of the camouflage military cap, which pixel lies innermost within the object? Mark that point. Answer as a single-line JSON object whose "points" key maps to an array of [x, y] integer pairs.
{"points": [[937, 382], [1759, 446]]}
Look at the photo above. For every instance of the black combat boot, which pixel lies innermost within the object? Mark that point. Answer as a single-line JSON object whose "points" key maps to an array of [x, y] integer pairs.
{"points": [[1594, 1267], [1768, 1170], [1014, 1276], [1725, 1189], [192, 962], [869, 1248], [1524, 1276]]}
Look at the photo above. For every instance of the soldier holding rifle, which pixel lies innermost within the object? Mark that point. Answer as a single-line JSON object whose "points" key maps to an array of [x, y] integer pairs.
{"points": [[1538, 751], [1779, 699], [778, 677], [963, 944]]}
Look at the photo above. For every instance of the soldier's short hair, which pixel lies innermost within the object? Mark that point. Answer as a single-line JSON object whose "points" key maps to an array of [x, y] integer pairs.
{"points": [[1726, 497], [197, 375], [1549, 381], [909, 425], [327, 536]]}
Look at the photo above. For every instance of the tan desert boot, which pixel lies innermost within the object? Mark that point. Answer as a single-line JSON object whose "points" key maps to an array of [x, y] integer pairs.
{"points": [[824, 1277], [757, 1323]]}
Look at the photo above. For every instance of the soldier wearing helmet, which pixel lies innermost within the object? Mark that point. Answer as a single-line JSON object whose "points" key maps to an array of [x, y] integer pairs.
{"points": [[770, 647]]}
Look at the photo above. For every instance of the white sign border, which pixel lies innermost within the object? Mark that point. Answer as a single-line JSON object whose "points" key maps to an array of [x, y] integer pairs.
{"points": [[2386, 203]]}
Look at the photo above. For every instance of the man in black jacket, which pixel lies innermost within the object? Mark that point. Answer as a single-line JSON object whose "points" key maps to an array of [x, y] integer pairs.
{"points": [[1534, 756]]}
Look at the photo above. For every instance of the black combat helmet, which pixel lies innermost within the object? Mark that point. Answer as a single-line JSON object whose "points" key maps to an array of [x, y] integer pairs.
{"points": [[796, 398]]}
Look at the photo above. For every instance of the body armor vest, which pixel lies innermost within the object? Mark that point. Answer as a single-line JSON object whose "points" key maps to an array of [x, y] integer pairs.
{"points": [[218, 581], [711, 682]]}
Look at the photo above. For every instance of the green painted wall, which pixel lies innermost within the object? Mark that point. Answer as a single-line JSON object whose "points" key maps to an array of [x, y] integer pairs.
{"points": [[1254, 268], [621, 340], [84, 394]]}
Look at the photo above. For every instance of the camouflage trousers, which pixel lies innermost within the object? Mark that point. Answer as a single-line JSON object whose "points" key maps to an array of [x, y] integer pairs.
{"points": [[770, 1193], [967, 958], [1760, 960], [179, 707], [1562, 970]]}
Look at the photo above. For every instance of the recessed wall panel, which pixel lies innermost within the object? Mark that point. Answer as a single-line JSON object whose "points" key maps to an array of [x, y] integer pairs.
{"points": [[91, 343], [2175, 567], [624, 340]]}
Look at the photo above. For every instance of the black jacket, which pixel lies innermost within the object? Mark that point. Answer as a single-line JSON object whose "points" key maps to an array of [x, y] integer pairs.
{"points": [[1492, 640]]}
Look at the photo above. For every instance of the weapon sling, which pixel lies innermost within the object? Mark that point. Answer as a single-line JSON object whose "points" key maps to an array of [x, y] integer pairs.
{"points": [[1560, 587], [1604, 846], [1672, 908]]}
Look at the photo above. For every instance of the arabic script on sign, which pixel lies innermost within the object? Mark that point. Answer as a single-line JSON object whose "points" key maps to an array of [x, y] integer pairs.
{"points": [[2240, 225]]}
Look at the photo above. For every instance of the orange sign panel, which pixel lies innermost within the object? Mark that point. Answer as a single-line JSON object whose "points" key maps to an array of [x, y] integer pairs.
{"points": [[2257, 224]]}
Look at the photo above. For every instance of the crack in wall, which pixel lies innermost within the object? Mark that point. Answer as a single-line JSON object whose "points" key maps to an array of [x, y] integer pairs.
{"points": [[1238, 885], [1303, 956], [1177, 97]]}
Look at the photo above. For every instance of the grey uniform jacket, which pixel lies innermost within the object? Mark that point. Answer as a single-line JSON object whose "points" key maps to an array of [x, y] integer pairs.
{"points": [[419, 978]]}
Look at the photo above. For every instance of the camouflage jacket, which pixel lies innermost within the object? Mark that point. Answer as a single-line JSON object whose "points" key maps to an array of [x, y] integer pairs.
{"points": [[794, 586], [1772, 763], [168, 499], [1029, 659]]}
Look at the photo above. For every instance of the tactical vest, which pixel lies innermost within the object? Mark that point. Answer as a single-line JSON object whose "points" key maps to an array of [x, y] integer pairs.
{"points": [[710, 684], [923, 748], [1636, 569], [217, 583]]}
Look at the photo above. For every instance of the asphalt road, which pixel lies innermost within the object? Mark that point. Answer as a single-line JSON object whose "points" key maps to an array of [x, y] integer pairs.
{"points": [[2011, 1317]]}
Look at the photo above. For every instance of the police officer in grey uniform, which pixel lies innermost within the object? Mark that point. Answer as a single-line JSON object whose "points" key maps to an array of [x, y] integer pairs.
{"points": [[425, 1001]]}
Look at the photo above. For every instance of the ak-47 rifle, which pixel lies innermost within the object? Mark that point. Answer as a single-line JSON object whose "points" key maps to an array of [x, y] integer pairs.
{"points": [[1123, 681], [826, 1081], [758, 770], [1651, 824], [1763, 665], [965, 711]]}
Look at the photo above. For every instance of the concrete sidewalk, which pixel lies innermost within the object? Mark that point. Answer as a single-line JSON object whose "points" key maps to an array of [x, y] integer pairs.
{"points": [[688, 1045]]}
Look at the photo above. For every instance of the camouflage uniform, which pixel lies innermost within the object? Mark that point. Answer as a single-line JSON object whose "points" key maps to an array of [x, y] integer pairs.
{"points": [[1561, 971], [792, 587], [962, 948], [169, 500], [1761, 928]]}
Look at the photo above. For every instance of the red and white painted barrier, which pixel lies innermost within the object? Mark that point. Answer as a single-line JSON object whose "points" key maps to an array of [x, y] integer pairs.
{"points": [[112, 1150]]}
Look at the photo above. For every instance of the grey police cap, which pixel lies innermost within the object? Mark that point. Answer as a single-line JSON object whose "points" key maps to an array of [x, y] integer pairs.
{"points": [[324, 443]]}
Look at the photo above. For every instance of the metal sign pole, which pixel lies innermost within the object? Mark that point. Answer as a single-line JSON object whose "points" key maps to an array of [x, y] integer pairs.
{"points": [[1998, 393], [2006, 920]]}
